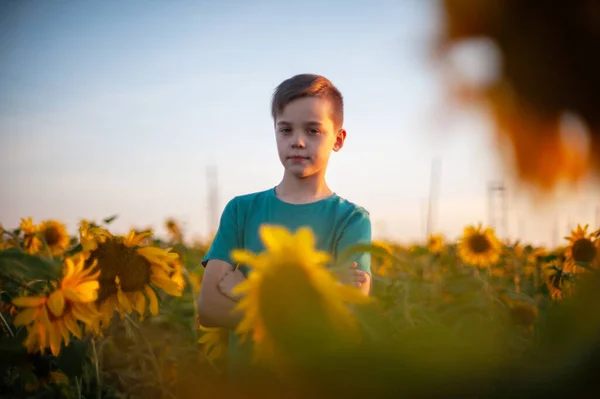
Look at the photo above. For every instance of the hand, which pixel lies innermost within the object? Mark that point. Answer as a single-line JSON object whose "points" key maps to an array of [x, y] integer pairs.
{"points": [[228, 283], [357, 277], [354, 276]]}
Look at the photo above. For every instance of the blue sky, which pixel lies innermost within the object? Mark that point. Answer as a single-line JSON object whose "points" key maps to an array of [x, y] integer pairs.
{"points": [[118, 107]]}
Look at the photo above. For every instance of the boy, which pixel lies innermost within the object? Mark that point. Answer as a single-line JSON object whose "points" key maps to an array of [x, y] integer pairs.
{"points": [[307, 113]]}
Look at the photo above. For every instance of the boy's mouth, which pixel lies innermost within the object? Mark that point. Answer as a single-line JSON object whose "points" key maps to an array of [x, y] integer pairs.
{"points": [[297, 158]]}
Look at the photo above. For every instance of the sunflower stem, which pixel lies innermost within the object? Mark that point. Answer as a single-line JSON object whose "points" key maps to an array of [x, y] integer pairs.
{"points": [[152, 356], [78, 387], [97, 367], [7, 326]]}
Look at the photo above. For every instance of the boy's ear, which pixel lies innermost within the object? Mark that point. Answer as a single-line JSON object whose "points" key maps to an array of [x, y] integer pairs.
{"points": [[339, 140]]}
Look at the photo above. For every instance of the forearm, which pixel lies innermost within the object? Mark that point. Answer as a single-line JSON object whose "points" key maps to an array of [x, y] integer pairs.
{"points": [[216, 309]]}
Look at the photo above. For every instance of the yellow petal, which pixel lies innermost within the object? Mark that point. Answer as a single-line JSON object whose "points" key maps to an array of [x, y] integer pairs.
{"points": [[29, 301], [25, 317], [68, 269], [165, 284], [54, 337], [63, 329], [244, 257], [31, 341], [205, 338], [44, 319], [274, 238], [56, 303], [71, 294], [80, 314], [140, 304], [152, 299], [88, 291], [124, 301], [305, 238]]}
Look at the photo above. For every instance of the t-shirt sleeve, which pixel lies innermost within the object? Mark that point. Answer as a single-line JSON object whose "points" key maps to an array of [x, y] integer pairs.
{"points": [[226, 238], [357, 231]]}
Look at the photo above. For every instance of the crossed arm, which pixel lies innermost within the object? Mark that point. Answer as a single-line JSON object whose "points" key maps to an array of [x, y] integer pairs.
{"points": [[216, 303]]}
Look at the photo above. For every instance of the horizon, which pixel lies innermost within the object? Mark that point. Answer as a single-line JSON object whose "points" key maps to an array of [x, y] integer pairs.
{"points": [[126, 119]]}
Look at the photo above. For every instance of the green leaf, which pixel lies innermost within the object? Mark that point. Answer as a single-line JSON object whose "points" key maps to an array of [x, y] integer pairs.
{"points": [[75, 250], [17, 265], [108, 220]]}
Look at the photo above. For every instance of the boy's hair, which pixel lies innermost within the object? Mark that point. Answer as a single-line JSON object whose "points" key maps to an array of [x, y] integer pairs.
{"points": [[309, 85]]}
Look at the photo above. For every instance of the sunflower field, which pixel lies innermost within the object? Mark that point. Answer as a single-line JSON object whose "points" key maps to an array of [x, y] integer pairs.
{"points": [[101, 315]]}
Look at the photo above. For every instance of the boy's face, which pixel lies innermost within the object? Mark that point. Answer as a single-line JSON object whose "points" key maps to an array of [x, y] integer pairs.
{"points": [[305, 135]]}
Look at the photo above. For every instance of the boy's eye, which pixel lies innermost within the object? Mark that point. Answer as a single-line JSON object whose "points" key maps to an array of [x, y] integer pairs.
{"points": [[285, 130], [313, 131]]}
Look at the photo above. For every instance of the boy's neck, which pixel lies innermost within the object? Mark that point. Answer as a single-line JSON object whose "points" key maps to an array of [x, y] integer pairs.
{"points": [[302, 190]]}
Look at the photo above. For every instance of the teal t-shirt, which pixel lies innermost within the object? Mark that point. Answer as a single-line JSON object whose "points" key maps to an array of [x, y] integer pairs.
{"points": [[336, 223]]}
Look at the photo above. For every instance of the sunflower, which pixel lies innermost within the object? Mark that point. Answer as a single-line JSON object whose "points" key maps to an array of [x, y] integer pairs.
{"points": [[435, 243], [127, 270], [31, 242], [583, 248], [291, 302], [4, 243], [174, 230], [479, 247], [214, 341], [380, 264], [50, 318], [558, 281], [55, 235]]}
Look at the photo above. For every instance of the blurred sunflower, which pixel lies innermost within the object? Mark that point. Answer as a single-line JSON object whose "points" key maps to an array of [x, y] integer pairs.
{"points": [[479, 247], [291, 302], [55, 235], [435, 243], [583, 248], [214, 341], [31, 242], [541, 92], [127, 270], [524, 314], [50, 318], [5, 243], [174, 230], [558, 282], [380, 264]]}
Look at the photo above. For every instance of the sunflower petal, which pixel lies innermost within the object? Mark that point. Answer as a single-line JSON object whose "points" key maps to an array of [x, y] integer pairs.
{"points": [[152, 299], [64, 332], [124, 301], [54, 338], [140, 304], [29, 301], [80, 314], [24, 317], [56, 303], [274, 238], [88, 291]]}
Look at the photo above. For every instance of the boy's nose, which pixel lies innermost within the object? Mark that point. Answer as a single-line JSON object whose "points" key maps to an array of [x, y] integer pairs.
{"points": [[297, 141]]}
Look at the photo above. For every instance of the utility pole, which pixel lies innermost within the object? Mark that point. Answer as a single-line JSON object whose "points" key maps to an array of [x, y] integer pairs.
{"points": [[434, 188], [213, 199], [497, 208]]}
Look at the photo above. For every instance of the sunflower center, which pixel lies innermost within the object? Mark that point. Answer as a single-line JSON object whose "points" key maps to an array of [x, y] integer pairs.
{"points": [[583, 250], [116, 259], [52, 236], [136, 272], [479, 244]]}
